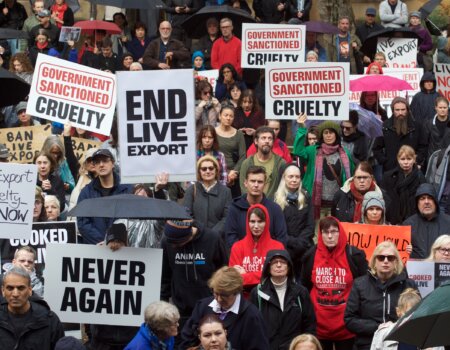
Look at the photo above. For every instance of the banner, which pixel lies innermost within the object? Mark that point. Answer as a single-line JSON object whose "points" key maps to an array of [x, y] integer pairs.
{"points": [[319, 89], [263, 43], [80, 146], [210, 75], [442, 72], [400, 52], [92, 284], [367, 237], [156, 125], [17, 187], [428, 275], [67, 92], [25, 142], [42, 233]]}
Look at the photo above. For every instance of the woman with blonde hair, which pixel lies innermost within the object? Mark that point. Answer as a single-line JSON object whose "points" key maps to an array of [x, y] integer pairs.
{"points": [[440, 250], [374, 296], [52, 207], [298, 214], [305, 342]]}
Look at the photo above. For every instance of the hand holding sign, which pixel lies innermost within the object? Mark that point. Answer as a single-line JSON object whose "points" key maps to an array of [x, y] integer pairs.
{"points": [[302, 118]]}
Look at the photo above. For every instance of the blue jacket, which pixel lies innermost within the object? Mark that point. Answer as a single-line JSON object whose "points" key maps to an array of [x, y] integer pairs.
{"points": [[146, 340], [93, 229]]}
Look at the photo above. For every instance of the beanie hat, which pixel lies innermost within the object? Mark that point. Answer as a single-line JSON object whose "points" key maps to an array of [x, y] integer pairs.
{"points": [[372, 199], [328, 124], [66, 343], [177, 232]]}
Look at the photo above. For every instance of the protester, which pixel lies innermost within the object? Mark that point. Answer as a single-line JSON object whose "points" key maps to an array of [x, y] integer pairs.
{"points": [[345, 263], [207, 107], [21, 65], [12, 16], [227, 48], [284, 304], [198, 62], [243, 321], [440, 250], [373, 209], [235, 94], [401, 185], [312, 44], [443, 46], [312, 56], [39, 213], [160, 326], [273, 11], [346, 46], [374, 68], [305, 342], [52, 207], [298, 214], [228, 77], [370, 100], [212, 334], [24, 119], [354, 140], [138, 44], [45, 25], [119, 41], [41, 45], [205, 43], [369, 26], [424, 59], [423, 102], [393, 13], [438, 174], [437, 130], [127, 60], [62, 14], [374, 296], [380, 57]]}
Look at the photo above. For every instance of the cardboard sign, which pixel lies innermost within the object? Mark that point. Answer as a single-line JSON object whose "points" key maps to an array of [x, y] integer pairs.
{"points": [[17, 187], [263, 43], [211, 75], [367, 237], [69, 34], [400, 52], [428, 275], [319, 89], [92, 284], [442, 72], [156, 125], [80, 146], [25, 142], [42, 233], [66, 92]]}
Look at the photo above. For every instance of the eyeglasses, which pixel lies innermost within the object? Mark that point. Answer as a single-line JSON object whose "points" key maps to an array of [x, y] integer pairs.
{"points": [[330, 232], [382, 258], [206, 92], [362, 178], [444, 250], [206, 168]]}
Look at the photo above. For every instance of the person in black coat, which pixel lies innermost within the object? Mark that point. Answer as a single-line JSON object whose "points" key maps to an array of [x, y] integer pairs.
{"points": [[354, 140], [374, 297], [285, 305], [243, 321]]}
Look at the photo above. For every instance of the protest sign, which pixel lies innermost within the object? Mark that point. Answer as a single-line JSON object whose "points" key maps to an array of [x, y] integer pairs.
{"points": [[66, 92], [400, 52], [25, 142], [210, 75], [156, 125], [442, 72], [263, 43], [80, 146], [428, 275], [42, 233], [319, 89], [17, 187], [367, 237], [92, 284], [69, 34]]}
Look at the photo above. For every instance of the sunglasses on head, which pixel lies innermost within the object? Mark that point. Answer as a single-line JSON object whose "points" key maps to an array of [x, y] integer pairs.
{"points": [[382, 258]]}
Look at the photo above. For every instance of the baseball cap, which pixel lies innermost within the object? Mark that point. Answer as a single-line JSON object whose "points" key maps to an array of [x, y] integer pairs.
{"points": [[371, 11], [103, 152], [44, 13], [415, 14]]}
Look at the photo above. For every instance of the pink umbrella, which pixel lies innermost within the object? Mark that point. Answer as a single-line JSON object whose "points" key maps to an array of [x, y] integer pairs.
{"points": [[379, 82]]}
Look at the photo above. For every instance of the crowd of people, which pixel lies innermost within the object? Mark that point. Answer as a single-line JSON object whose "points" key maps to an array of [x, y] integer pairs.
{"points": [[264, 262]]}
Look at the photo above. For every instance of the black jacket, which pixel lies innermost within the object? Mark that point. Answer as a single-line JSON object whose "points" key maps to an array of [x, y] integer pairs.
{"points": [[15, 18], [297, 316], [364, 30], [357, 144], [372, 303], [267, 10], [422, 104], [41, 332], [245, 331], [187, 269], [436, 136], [56, 190]]}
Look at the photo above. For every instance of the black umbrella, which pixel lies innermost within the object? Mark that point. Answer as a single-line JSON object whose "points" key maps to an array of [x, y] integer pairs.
{"points": [[129, 206], [195, 25], [369, 47], [7, 33], [131, 4], [13, 89], [428, 7], [321, 27]]}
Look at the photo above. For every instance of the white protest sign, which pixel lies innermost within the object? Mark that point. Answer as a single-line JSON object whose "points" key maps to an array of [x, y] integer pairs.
{"points": [[442, 72], [210, 75], [319, 89], [69, 34], [156, 125], [66, 92], [17, 187], [428, 275], [263, 43], [400, 52], [92, 284]]}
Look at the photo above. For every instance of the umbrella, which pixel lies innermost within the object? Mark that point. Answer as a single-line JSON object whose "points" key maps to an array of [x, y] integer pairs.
{"points": [[368, 121], [427, 324], [95, 24], [379, 82], [7, 33], [321, 27], [129, 206], [195, 25], [428, 7], [369, 47], [131, 4], [13, 89]]}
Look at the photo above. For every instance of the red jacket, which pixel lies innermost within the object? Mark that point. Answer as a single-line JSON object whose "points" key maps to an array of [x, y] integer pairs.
{"points": [[279, 147], [227, 52]]}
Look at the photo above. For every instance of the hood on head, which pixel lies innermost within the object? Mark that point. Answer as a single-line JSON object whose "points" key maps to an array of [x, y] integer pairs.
{"points": [[273, 254], [373, 199], [428, 189], [342, 242], [266, 233], [428, 76]]}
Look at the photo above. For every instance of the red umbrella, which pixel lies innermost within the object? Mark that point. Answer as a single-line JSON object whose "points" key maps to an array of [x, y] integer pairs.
{"points": [[379, 82], [94, 25]]}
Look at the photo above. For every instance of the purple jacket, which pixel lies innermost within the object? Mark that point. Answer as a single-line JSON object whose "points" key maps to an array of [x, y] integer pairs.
{"points": [[427, 42]]}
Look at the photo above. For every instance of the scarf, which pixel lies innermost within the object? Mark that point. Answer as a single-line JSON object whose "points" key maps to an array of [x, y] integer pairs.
{"points": [[358, 196], [318, 178], [41, 46], [60, 10]]}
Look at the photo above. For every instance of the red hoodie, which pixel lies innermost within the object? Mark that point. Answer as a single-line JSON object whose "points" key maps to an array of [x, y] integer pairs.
{"points": [[332, 282], [251, 255]]}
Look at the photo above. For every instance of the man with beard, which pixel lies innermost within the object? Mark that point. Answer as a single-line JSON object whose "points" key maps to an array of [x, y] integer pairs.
{"points": [[401, 129], [264, 157]]}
